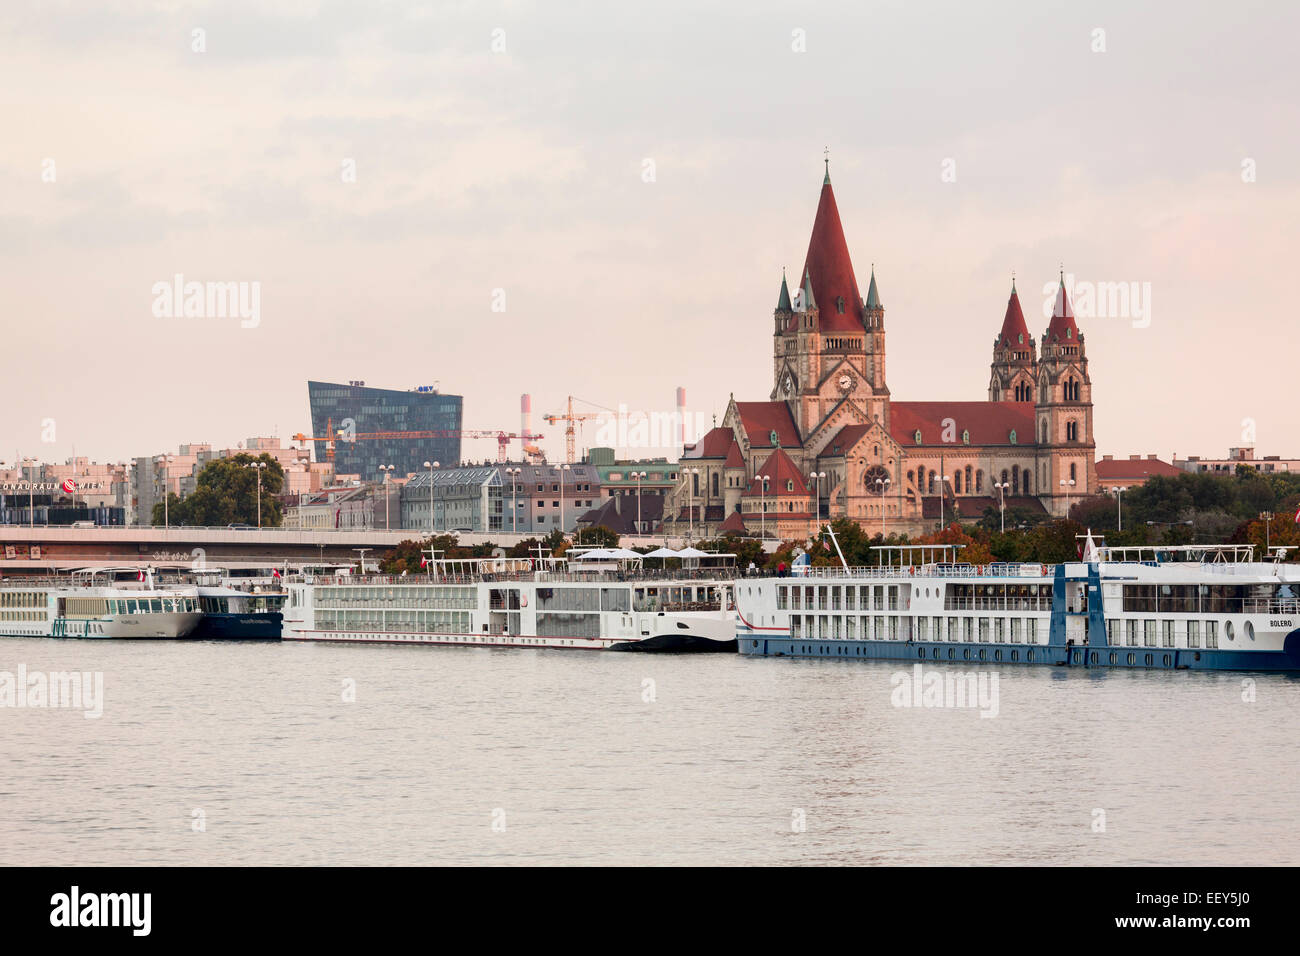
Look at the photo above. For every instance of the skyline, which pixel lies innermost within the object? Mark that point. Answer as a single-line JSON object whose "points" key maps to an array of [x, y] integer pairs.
{"points": [[543, 194]]}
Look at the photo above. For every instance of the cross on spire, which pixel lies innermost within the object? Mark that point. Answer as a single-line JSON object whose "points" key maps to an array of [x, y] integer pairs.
{"points": [[827, 160]]}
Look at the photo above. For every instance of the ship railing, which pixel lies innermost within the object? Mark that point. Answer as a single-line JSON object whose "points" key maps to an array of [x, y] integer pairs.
{"points": [[1015, 571], [997, 604], [703, 575], [1291, 606]]}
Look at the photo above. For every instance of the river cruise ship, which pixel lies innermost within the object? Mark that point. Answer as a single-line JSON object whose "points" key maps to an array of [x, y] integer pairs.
{"points": [[603, 600], [238, 609], [99, 603], [1191, 607]]}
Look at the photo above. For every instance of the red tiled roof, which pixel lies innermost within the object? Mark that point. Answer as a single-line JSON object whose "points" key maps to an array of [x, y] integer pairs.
{"points": [[828, 264], [1014, 334], [1062, 327], [714, 444], [734, 458], [989, 423], [734, 522], [760, 419], [1134, 469], [844, 439], [780, 469]]}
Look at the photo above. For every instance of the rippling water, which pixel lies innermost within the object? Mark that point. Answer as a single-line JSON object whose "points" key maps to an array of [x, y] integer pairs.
{"points": [[459, 755]]}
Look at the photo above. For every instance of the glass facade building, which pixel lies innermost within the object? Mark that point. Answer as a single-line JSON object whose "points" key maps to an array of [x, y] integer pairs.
{"points": [[358, 411]]}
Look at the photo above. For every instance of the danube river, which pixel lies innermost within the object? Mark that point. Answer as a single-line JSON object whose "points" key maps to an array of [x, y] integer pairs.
{"points": [[250, 753]]}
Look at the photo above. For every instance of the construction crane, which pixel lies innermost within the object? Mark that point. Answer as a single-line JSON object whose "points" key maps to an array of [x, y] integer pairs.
{"points": [[503, 438], [570, 418]]}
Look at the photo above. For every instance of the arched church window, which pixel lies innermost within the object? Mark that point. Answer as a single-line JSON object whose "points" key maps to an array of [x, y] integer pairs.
{"points": [[916, 436], [965, 437], [1021, 338], [839, 304], [1015, 479], [715, 484], [789, 484], [1073, 475], [979, 482], [956, 482], [968, 477]]}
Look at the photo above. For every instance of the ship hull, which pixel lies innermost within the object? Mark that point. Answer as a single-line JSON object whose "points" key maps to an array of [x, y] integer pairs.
{"points": [[253, 626], [1146, 658]]}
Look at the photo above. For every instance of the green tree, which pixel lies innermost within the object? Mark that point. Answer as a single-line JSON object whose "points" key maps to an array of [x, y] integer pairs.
{"points": [[598, 536], [226, 492]]}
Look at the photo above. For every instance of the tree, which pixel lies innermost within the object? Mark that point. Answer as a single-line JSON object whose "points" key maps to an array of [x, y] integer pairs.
{"points": [[167, 516], [226, 493], [597, 535], [406, 556], [973, 552]]}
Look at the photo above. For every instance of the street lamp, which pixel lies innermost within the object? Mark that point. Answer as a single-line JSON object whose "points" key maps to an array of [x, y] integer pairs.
{"points": [[31, 495], [1067, 485], [1002, 487], [762, 504], [387, 470], [817, 495], [882, 485], [514, 498], [431, 467], [638, 475], [693, 474], [257, 467], [563, 468], [1119, 507], [943, 485], [165, 461]]}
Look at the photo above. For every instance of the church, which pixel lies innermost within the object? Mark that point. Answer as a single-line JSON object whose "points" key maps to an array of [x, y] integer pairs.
{"points": [[830, 441]]}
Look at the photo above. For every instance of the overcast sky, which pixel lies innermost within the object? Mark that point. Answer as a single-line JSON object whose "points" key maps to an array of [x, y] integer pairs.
{"points": [[634, 177]]}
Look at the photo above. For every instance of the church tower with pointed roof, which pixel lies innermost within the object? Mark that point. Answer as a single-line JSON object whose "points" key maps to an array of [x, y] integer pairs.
{"points": [[1015, 362], [1066, 448], [829, 343]]}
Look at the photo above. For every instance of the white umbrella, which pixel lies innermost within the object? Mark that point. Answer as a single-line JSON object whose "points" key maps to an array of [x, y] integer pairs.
{"points": [[625, 553], [598, 554], [662, 553], [692, 553]]}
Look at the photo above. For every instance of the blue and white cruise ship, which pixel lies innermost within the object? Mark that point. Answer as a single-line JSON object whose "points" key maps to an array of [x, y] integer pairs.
{"points": [[1190, 607]]}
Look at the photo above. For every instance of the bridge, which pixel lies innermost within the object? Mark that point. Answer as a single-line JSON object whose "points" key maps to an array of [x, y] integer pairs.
{"points": [[25, 549]]}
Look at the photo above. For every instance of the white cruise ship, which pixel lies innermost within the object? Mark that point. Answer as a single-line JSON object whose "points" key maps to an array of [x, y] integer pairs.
{"points": [[1191, 607], [95, 604], [603, 602]]}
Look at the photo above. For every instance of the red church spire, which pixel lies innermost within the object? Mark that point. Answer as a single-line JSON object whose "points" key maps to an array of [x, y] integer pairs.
{"points": [[1062, 327], [830, 269], [1015, 333]]}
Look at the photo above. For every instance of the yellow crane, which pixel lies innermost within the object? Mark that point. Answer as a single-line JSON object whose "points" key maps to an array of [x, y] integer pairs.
{"points": [[569, 418]]}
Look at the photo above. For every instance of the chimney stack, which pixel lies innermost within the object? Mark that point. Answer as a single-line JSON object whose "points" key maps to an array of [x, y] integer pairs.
{"points": [[681, 414]]}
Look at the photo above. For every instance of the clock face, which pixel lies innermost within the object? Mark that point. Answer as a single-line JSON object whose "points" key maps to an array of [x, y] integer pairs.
{"points": [[846, 382], [788, 384]]}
